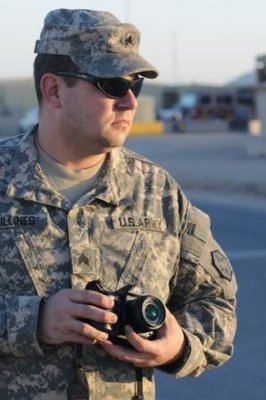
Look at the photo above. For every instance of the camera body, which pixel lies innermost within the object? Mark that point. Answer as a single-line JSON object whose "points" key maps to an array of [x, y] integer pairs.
{"points": [[144, 313]]}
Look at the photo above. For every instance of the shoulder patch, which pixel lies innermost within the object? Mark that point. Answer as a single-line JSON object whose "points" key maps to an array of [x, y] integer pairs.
{"points": [[195, 235], [221, 263]]}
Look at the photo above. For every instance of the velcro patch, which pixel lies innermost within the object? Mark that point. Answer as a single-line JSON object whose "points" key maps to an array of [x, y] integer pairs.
{"points": [[139, 223], [222, 265], [13, 221]]}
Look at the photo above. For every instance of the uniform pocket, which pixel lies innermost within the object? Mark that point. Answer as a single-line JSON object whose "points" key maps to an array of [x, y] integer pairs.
{"points": [[136, 261], [151, 264], [33, 263]]}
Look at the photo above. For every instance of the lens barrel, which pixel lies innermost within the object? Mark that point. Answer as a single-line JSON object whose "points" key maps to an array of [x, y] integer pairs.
{"points": [[145, 313]]}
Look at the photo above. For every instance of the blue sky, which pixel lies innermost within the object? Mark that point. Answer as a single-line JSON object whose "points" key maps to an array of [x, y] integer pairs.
{"points": [[199, 41]]}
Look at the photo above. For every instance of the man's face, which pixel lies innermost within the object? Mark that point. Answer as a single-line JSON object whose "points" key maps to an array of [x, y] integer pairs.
{"points": [[93, 122]]}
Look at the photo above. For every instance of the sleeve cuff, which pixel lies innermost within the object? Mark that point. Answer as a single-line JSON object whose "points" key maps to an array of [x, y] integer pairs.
{"points": [[189, 360]]}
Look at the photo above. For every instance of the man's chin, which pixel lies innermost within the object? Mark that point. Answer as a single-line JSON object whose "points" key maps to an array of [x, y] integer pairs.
{"points": [[115, 140]]}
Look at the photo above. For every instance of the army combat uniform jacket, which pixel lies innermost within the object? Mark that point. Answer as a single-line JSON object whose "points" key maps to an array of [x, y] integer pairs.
{"points": [[133, 226]]}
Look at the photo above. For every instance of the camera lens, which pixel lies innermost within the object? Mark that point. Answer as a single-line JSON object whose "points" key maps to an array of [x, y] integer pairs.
{"points": [[146, 313], [151, 312]]}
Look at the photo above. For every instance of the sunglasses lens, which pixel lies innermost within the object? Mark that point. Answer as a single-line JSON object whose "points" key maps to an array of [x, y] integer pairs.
{"points": [[137, 86], [118, 87], [114, 87]]}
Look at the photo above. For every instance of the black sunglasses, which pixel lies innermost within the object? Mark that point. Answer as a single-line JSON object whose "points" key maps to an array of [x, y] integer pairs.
{"points": [[111, 87]]}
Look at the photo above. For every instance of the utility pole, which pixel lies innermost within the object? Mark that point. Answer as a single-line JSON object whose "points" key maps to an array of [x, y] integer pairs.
{"points": [[175, 56], [127, 11]]}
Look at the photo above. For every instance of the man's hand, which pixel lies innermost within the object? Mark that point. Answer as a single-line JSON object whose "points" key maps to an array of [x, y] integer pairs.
{"points": [[165, 349], [59, 319]]}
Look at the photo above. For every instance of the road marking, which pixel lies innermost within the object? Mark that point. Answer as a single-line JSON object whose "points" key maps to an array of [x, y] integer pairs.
{"points": [[240, 254]]}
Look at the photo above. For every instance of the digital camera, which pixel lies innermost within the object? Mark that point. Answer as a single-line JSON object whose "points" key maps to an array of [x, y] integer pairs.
{"points": [[144, 313]]}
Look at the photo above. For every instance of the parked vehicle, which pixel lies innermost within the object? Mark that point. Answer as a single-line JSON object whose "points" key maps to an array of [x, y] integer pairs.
{"points": [[233, 106], [185, 108], [30, 119]]}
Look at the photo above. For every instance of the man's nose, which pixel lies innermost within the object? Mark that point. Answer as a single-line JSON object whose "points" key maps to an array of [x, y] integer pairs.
{"points": [[128, 101]]}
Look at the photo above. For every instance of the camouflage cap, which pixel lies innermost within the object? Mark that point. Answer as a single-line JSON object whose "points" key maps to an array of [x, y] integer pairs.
{"points": [[96, 41]]}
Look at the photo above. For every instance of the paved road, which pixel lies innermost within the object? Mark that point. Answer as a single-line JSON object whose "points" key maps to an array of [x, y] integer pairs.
{"points": [[242, 232]]}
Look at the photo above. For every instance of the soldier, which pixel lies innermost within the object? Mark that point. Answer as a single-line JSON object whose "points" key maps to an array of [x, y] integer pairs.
{"points": [[78, 207]]}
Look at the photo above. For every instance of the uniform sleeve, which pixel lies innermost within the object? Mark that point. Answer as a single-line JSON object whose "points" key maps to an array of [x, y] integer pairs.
{"points": [[18, 325], [203, 299]]}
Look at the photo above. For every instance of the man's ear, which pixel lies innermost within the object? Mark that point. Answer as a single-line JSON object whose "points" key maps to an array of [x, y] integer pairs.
{"points": [[50, 88]]}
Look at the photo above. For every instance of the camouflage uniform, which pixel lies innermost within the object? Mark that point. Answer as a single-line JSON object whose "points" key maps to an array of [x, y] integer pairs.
{"points": [[133, 226]]}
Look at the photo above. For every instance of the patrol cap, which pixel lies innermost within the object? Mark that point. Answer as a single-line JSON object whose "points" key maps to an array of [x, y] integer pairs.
{"points": [[96, 41]]}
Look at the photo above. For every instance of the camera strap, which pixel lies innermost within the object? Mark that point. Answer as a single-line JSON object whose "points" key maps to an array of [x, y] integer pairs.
{"points": [[78, 388], [139, 385]]}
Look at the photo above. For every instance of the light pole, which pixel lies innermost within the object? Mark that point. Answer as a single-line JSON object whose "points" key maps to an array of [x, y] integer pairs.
{"points": [[127, 11], [175, 56]]}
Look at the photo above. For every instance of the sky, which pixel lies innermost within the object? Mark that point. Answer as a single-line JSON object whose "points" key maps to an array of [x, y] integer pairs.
{"points": [[189, 41]]}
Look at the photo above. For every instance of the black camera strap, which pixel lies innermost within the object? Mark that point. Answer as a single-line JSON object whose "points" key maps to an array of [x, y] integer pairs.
{"points": [[78, 388], [139, 385]]}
